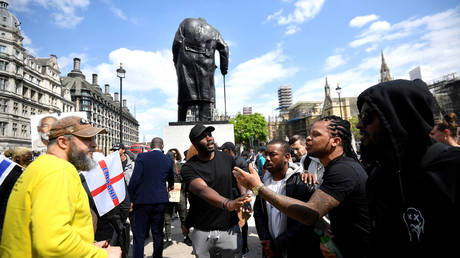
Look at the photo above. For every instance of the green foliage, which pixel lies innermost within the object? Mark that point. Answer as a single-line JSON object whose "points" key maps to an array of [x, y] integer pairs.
{"points": [[246, 127], [355, 131]]}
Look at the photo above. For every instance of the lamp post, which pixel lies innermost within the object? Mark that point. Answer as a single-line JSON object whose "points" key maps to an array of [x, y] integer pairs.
{"points": [[338, 89], [121, 74]]}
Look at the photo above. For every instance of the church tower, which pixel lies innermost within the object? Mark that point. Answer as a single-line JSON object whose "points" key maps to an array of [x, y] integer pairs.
{"points": [[384, 71]]}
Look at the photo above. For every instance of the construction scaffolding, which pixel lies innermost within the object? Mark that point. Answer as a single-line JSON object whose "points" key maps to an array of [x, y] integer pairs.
{"points": [[447, 93]]}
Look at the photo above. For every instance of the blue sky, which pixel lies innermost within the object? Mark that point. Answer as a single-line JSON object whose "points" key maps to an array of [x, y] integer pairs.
{"points": [[271, 43]]}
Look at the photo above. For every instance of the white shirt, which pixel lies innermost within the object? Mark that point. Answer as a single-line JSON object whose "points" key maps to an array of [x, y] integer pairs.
{"points": [[277, 221], [315, 167]]}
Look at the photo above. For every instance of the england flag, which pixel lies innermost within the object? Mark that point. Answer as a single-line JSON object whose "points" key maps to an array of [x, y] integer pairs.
{"points": [[106, 183], [6, 166]]}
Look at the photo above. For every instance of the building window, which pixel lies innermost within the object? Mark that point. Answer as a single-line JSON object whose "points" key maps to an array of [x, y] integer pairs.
{"points": [[4, 18], [3, 85], [40, 96], [24, 110], [15, 108], [2, 49], [15, 129], [3, 105], [32, 111], [25, 92], [32, 94], [23, 130], [3, 128], [3, 65]]}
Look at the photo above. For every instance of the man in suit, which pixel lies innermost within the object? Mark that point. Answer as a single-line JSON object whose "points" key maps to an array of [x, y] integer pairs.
{"points": [[148, 192]]}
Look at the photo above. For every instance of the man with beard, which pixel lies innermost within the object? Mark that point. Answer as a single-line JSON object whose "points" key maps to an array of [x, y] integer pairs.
{"points": [[208, 177], [341, 195], [48, 212], [43, 129], [281, 236], [413, 185]]}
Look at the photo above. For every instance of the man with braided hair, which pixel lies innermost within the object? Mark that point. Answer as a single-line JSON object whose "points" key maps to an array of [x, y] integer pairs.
{"points": [[342, 194]]}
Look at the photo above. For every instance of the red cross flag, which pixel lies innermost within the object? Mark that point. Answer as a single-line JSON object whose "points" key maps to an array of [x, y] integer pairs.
{"points": [[107, 183]]}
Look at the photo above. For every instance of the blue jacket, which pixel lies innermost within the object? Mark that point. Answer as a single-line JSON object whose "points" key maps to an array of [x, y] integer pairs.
{"points": [[148, 181]]}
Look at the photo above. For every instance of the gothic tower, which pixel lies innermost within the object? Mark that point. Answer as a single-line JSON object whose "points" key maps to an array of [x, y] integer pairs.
{"points": [[384, 71]]}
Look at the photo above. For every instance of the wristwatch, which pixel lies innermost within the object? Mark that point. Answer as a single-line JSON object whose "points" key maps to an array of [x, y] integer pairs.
{"points": [[256, 189]]}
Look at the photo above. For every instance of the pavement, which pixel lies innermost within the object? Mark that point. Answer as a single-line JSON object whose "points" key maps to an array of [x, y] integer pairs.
{"points": [[179, 249]]}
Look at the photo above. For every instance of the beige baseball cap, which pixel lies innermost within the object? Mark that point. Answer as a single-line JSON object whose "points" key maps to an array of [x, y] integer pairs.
{"points": [[74, 125]]}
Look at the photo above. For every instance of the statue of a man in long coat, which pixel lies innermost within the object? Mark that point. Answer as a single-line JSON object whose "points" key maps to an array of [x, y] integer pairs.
{"points": [[193, 50]]}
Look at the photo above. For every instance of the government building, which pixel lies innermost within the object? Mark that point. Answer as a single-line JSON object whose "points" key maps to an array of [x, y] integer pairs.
{"points": [[28, 85], [102, 109], [33, 86]]}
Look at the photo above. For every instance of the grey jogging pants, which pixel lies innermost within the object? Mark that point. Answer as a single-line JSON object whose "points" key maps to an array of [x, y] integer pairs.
{"points": [[216, 243]]}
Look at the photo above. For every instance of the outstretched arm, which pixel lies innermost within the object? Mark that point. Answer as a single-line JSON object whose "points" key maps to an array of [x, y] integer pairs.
{"points": [[305, 212], [199, 187]]}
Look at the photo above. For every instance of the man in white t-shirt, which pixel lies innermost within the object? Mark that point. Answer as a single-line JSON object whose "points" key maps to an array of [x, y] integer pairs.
{"points": [[279, 235]]}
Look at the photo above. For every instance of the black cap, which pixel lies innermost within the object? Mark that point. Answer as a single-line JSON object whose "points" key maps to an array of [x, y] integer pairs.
{"points": [[118, 146], [228, 146], [197, 130]]}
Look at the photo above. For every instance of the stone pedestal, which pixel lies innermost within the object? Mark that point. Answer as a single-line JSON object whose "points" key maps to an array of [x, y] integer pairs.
{"points": [[176, 134]]}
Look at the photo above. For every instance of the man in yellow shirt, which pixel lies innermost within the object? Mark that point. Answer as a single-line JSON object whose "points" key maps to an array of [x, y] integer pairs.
{"points": [[48, 214]]}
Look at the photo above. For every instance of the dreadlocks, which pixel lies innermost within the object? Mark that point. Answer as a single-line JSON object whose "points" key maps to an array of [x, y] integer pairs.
{"points": [[339, 127]]}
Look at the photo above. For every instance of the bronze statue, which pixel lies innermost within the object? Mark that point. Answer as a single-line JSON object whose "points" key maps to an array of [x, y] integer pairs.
{"points": [[193, 53]]}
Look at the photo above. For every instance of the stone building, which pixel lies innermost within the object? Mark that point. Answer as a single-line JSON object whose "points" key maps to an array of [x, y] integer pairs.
{"points": [[28, 85], [102, 109], [344, 107], [302, 115]]}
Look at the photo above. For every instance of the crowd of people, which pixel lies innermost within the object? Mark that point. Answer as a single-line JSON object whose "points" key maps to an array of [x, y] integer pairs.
{"points": [[311, 196]]}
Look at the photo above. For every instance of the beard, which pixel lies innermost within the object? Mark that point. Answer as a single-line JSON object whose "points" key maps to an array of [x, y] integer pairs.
{"points": [[80, 159], [321, 152]]}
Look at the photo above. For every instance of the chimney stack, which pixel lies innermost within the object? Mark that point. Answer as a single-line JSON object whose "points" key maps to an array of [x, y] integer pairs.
{"points": [[94, 78], [76, 64], [124, 103], [107, 87], [115, 96]]}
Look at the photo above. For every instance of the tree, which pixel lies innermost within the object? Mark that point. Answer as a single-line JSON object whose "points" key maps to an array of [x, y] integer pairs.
{"points": [[249, 128], [355, 131]]}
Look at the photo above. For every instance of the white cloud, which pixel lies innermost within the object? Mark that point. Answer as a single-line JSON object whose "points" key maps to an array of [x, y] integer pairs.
{"points": [[64, 11], [371, 48], [433, 45], [379, 26], [115, 10], [66, 62], [360, 21], [333, 62], [247, 80], [304, 11], [292, 29]]}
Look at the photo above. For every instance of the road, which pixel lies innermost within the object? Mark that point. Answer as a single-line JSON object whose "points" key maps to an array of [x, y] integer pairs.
{"points": [[179, 249]]}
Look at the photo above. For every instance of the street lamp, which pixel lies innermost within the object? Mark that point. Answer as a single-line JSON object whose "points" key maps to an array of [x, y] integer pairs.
{"points": [[338, 89], [121, 74]]}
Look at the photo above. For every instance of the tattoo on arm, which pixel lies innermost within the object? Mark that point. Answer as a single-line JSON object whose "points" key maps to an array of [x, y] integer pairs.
{"points": [[293, 208]]}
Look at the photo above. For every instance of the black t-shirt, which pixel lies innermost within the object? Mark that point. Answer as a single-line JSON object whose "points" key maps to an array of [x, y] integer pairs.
{"points": [[217, 173], [345, 180]]}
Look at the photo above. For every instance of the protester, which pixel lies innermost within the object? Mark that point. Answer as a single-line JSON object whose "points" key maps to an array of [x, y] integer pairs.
{"points": [[446, 131], [260, 162], [341, 195], [209, 180], [127, 162], [181, 206], [112, 226], [8, 179], [281, 236], [149, 194], [310, 165], [413, 192], [240, 162], [23, 156], [48, 212]]}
